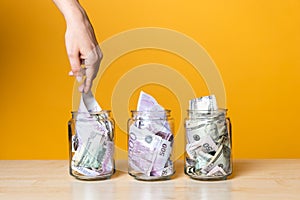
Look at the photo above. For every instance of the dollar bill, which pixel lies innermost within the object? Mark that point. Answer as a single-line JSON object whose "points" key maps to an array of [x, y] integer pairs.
{"points": [[90, 153], [206, 103], [191, 170], [194, 167], [206, 145], [202, 160], [197, 129], [91, 166], [217, 171], [221, 159]]}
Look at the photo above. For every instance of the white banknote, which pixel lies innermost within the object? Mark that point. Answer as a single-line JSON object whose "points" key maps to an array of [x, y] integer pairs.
{"points": [[150, 139], [94, 150]]}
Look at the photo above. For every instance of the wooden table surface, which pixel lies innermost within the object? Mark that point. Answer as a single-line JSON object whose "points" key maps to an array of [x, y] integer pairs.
{"points": [[49, 179]]}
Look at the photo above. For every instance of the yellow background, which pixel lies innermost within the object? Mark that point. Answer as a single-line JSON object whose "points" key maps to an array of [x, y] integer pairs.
{"points": [[255, 44]]}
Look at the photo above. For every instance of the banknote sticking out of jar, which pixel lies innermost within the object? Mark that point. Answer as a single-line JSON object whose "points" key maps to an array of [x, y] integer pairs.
{"points": [[208, 140], [91, 141], [150, 141]]}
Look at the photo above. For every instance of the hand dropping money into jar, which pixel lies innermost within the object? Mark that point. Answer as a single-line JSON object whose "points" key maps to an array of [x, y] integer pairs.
{"points": [[150, 140], [208, 146], [92, 143]]}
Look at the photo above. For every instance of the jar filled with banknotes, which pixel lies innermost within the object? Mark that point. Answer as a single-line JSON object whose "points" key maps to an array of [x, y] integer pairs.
{"points": [[91, 145], [150, 145], [208, 145]]}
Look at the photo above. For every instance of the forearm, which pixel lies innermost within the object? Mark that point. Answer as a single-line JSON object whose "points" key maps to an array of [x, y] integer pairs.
{"points": [[71, 10]]}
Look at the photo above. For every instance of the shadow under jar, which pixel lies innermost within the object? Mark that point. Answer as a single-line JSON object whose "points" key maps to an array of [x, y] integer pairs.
{"points": [[208, 145], [150, 145], [91, 145]]}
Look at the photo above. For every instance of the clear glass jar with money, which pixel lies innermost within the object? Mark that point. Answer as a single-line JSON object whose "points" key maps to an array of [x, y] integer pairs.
{"points": [[91, 145], [208, 145], [150, 145]]}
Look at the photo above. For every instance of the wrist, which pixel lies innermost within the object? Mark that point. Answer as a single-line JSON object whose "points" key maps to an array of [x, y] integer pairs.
{"points": [[71, 10], [75, 14]]}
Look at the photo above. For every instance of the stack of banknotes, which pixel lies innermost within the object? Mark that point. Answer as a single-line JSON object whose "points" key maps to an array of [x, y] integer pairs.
{"points": [[208, 143], [150, 140], [92, 143]]}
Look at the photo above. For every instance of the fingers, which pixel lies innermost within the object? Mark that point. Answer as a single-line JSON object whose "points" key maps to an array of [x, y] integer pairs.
{"points": [[92, 63], [94, 57], [87, 85], [91, 60], [81, 88], [74, 61], [73, 52]]}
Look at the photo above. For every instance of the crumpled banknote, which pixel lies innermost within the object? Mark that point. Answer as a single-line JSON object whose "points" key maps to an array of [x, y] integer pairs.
{"points": [[92, 144], [150, 139], [208, 146]]}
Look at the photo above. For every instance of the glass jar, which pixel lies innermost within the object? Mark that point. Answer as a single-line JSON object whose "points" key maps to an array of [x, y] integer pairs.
{"points": [[91, 145], [208, 145], [150, 145]]}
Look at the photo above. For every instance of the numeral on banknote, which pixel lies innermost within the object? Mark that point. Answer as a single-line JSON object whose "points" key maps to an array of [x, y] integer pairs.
{"points": [[163, 149]]}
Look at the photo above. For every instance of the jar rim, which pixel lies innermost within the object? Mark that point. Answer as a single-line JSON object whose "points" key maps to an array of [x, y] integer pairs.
{"points": [[218, 110], [98, 112], [150, 111]]}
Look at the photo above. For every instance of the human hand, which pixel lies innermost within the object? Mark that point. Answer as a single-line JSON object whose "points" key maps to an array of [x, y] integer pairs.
{"points": [[82, 49], [81, 43]]}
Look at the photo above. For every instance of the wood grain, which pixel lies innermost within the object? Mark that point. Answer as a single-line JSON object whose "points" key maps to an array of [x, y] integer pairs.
{"points": [[50, 179]]}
